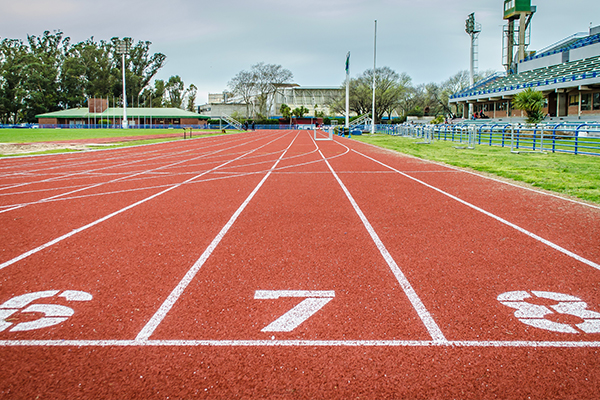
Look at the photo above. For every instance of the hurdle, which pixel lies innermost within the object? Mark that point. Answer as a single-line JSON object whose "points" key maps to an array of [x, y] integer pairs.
{"points": [[328, 137], [520, 138], [470, 138]]}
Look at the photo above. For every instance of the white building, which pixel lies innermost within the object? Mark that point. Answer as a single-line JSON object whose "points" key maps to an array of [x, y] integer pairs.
{"points": [[315, 99]]}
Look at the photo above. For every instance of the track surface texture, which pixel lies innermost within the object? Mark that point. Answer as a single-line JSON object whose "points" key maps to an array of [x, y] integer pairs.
{"points": [[268, 264]]}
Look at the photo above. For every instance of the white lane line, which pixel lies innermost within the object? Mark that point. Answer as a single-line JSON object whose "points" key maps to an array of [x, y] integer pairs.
{"points": [[164, 309], [41, 161], [276, 294], [279, 170], [16, 207], [59, 177], [489, 214], [229, 174], [426, 318], [98, 221], [298, 343]]}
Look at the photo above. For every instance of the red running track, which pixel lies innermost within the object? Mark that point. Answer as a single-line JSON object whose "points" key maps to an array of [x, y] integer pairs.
{"points": [[268, 264]]}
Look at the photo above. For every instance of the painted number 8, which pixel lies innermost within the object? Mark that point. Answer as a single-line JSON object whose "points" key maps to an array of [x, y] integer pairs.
{"points": [[535, 314]]}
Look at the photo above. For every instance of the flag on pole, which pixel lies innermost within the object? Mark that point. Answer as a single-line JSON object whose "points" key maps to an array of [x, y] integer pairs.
{"points": [[348, 62]]}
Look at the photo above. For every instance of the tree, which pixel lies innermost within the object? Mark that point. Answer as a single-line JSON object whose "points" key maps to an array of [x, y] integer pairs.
{"points": [[43, 69], [158, 94], [299, 111], [13, 61], [459, 82], [532, 102], [391, 89], [49, 74], [269, 77], [92, 64], [242, 85], [259, 86], [140, 66], [285, 111], [175, 92], [192, 91]]}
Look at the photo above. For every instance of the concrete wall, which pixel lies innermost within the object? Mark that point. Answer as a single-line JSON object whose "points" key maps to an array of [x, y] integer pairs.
{"points": [[556, 59], [592, 50], [541, 62]]}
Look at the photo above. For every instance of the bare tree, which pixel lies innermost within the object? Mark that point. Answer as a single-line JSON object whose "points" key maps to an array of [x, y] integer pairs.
{"points": [[260, 85], [459, 82], [243, 85]]}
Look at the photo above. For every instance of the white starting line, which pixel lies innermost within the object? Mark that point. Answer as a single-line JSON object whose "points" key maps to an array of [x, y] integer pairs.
{"points": [[297, 343]]}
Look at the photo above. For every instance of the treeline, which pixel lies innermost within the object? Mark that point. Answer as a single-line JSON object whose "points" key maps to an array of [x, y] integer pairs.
{"points": [[48, 73], [396, 97]]}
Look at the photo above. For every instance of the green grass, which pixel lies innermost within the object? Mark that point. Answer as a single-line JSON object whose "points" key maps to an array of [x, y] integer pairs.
{"points": [[571, 175], [51, 135]]}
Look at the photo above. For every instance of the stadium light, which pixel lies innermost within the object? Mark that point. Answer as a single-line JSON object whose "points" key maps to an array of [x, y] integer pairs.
{"points": [[123, 47], [470, 24]]}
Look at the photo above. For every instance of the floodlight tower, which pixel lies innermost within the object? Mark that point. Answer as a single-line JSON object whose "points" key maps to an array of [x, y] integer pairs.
{"points": [[473, 29], [123, 47], [514, 10]]}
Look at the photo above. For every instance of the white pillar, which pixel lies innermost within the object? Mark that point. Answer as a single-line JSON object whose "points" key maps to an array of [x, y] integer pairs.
{"points": [[374, 66]]}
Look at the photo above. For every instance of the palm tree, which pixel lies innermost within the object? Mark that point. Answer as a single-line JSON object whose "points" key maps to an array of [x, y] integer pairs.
{"points": [[532, 102]]}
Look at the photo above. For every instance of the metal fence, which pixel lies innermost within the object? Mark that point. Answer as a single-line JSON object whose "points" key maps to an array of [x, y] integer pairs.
{"points": [[566, 137]]}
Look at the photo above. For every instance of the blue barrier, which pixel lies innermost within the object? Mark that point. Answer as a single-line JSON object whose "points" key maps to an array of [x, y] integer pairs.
{"points": [[564, 137]]}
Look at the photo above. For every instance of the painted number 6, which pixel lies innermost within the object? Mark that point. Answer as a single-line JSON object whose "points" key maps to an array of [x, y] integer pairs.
{"points": [[53, 313]]}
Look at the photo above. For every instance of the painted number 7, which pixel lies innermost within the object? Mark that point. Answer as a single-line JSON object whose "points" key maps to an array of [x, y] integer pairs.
{"points": [[313, 302]]}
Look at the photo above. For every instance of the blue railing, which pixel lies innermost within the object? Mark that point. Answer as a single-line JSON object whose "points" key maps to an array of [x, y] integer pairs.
{"points": [[565, 137]]}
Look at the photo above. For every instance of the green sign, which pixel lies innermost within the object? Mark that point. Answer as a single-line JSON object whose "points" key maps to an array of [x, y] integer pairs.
{"points": [[513, 7]]}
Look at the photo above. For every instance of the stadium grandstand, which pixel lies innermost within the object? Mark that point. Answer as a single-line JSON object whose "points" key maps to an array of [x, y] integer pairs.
{"points": [[567, 73]]}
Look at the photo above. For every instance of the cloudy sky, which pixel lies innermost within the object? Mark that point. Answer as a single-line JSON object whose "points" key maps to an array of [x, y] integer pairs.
{"points": [[208, 42]]}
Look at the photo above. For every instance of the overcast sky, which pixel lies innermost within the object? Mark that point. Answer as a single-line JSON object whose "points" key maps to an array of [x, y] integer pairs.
{"points": [[208, 42]]}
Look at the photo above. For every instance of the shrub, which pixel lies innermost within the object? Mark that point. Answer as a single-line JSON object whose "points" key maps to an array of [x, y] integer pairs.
{"points": [[532, 102]]}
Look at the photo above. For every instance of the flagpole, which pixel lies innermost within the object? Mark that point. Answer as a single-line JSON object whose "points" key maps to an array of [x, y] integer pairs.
{"points": [[374, 66], [348, 90]]}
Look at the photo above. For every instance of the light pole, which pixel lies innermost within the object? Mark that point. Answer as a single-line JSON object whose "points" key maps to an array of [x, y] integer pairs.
{"points": [[123, 49], [347, 91], [473, 29]]}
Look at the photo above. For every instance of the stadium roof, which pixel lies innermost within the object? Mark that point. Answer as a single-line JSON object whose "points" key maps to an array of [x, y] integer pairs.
{"points": [[117, 112], [571, 74]]}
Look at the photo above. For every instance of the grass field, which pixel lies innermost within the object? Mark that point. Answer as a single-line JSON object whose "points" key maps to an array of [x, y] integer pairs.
{"points": [[572, 175], [18, 142], [51, 135]]}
